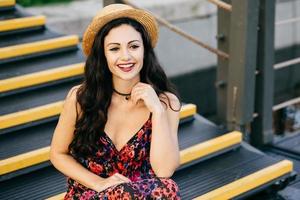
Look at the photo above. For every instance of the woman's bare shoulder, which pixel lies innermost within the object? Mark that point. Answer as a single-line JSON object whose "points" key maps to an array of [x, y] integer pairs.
{"points": [[72, 94], [64, 131], [173, 101], [71, 99], [171, 96]]}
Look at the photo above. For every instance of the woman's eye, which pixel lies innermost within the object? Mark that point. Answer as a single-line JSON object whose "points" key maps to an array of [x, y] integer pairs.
{"points": [[114, 49], [134, 46]]}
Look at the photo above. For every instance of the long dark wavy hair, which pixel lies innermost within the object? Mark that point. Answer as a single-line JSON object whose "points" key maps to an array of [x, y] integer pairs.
{"points": [[94, 94]]}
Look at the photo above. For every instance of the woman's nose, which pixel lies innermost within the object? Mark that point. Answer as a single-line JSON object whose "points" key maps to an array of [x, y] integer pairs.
{"points": [[125, 55]]}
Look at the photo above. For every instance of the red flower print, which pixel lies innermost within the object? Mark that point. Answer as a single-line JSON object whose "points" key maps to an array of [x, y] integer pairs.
{"points": [[132, 161], [140, 133], [96, 168], [87, 195], [131, 154], [142, 153], [148, 124], [120, 166], [99, 153]]}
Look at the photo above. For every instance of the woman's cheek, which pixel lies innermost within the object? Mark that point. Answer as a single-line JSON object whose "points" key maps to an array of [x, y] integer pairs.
{"points": [[111, 59]]}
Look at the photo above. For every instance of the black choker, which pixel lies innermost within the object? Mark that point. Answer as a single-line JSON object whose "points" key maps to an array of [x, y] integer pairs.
{"points": [[127, 96]]}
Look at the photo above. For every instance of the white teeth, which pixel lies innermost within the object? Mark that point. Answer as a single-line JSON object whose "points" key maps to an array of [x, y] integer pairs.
{"points": [[125, 66]]}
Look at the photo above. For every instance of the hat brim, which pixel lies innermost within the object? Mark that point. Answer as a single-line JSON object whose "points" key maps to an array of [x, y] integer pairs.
{"points": [[141, 16]]}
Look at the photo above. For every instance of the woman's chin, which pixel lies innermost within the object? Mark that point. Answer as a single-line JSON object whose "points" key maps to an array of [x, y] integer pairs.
{"points": [[128, 77], [132, 75]]}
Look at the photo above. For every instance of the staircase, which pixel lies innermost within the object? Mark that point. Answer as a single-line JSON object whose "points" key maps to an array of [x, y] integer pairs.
{"points": [[37, 69]]}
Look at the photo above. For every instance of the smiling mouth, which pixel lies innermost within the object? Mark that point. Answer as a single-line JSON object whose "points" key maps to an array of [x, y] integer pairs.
{"points": [[126, 67]]}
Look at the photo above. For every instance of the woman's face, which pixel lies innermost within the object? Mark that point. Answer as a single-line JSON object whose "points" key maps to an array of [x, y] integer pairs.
{"points": [[124, 52]]}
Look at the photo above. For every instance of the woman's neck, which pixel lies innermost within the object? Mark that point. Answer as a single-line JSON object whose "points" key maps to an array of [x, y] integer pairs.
{"points": [[122, 91], [124, 86]]}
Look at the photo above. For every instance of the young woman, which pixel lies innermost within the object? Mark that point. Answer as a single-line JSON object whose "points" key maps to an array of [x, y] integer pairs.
{"points": [[117, 133]]}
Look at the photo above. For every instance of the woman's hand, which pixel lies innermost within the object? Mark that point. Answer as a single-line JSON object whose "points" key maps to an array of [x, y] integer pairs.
{"points": [[110, 181], [145, 92]]}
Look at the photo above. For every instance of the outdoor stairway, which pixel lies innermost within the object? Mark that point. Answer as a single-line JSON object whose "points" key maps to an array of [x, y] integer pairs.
{"points": [[7, 5], [24, 36], [288, 144], [287, 148], [37, 69]]}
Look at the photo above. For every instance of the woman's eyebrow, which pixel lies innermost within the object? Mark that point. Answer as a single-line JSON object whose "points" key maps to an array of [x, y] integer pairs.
{"points": [[119, 43], [113, 43], [134, 41]]}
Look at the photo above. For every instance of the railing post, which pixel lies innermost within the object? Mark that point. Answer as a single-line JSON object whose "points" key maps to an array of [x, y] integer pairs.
{"points": [[222, 68], [262, 129], [242, 65]]}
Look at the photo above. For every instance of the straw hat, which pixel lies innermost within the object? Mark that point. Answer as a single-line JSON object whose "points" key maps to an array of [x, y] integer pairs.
{"points": [[115, 11]]}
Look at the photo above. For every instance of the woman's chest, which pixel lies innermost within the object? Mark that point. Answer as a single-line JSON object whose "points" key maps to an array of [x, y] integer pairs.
{"points": [[122, 125]]}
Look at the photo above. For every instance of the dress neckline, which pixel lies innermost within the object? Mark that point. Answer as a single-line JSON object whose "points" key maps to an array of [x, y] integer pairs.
{"points": [[130, 140]]}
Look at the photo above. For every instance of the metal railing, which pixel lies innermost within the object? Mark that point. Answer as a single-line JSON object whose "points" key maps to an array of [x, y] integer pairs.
{"points": [[225, 56], [184, 34]]}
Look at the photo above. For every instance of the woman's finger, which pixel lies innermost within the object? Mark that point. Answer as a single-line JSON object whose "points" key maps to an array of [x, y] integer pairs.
{"points": [[136, 96], [139, 86], [135, 90]]}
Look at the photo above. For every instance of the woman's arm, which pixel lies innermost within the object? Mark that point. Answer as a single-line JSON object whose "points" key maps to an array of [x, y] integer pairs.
{"points": [[164, 153], [164, 150], [63, 135], [59, 152]]}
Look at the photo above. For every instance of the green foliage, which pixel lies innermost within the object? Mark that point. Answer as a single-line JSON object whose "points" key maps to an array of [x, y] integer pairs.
{"points": [[27, 3]]}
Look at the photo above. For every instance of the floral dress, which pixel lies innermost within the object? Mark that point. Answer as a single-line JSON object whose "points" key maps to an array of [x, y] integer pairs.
{"points": [[132, 161]]}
